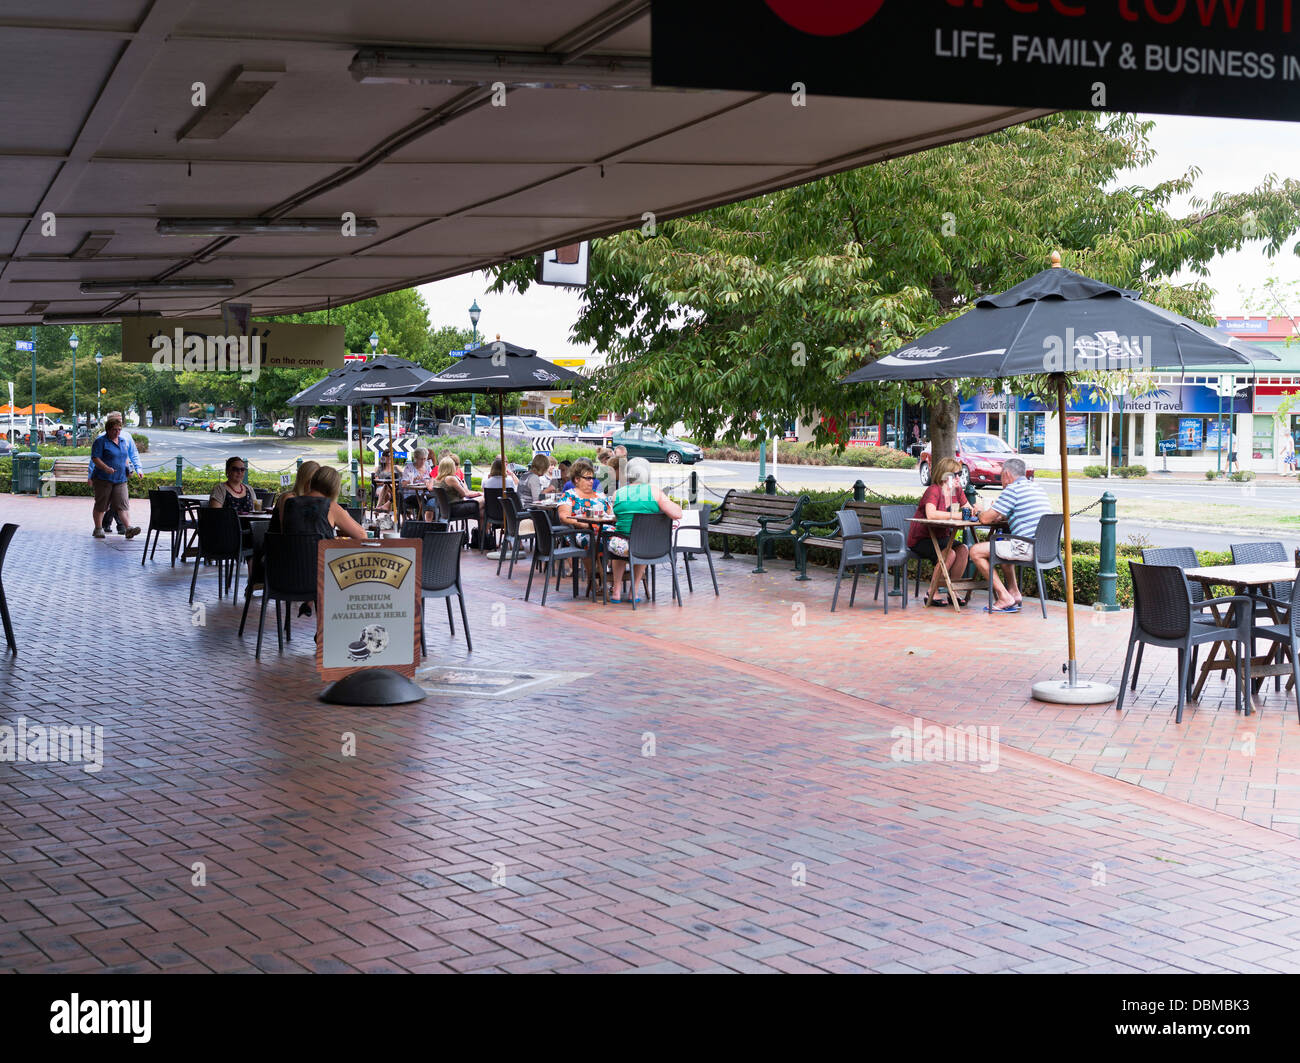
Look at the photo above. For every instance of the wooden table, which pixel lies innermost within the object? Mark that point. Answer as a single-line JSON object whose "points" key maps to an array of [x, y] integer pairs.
{"points": [[1253, 580], [933, 527]]}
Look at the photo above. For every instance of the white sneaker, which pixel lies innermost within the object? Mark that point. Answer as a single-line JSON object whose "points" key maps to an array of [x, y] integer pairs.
{"points": [[98, 533], [495, 555]]}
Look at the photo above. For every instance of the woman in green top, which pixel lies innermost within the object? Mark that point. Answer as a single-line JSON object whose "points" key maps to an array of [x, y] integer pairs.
{"points": [[637, 497]]}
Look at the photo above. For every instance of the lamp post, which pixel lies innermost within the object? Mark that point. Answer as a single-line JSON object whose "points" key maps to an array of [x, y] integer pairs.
{"points": [[99, 391], [474, 313], [73, 342]]}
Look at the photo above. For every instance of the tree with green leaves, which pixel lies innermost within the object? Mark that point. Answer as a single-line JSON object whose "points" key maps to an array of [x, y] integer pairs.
{"points": [[744, 318]]}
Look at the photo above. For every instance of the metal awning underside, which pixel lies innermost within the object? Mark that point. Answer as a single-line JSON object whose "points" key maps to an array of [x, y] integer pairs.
{"points": [[97, 128]]}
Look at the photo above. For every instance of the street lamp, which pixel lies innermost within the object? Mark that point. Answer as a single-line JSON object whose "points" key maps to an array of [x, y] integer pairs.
{"points": [[374, 341], [99, 391], [73, 342], [474, 312]]}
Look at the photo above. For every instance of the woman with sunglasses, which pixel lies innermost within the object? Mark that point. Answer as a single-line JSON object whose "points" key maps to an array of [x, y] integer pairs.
{"points": [[583, 500], [234, 493]]}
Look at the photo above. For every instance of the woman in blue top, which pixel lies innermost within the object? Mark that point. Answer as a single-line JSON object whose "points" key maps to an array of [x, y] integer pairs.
{"points": [[637, 497]]}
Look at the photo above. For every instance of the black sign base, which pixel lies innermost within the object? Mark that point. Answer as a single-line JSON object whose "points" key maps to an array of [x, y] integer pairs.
{"points": [[373, 686]]}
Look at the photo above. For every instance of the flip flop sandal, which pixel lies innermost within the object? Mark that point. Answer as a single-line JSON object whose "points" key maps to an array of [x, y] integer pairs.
{"points": [[1007, 609], [934, 604]]}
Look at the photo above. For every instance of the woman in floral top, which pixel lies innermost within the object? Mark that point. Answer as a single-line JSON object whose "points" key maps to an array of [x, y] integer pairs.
{"points": [[583, 500]]}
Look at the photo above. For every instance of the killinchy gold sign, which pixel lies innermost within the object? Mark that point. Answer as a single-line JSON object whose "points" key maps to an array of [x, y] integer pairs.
{"points": [[369, 566]]}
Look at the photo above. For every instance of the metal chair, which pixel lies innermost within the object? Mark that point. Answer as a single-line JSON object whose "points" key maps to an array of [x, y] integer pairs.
{"points": [[220, 539], [512, 538], [690, 539], [440, 578], [1163, 615], [164, 516], [548, 549], [650, 543], [289, 576], [6, 536], [892, 551], [1047, 554], [1287, 633]]}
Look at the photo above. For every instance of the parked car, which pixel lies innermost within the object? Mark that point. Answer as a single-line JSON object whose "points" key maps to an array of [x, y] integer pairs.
{"points": [[460, 425], [220, 424], [424, 426], [186, 422], [981, 456], [330, 423], [597, 433], [642, 441], [285, 427], [262, 424]]}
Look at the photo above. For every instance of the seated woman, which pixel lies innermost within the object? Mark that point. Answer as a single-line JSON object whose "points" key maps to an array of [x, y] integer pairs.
{"points": [[301, 485], [494, 477], [464, 502], [234, 493], [638, 496], [538, 482], [606, 475], [943, 500], [317, 511], [564, 478], [583, 500]]}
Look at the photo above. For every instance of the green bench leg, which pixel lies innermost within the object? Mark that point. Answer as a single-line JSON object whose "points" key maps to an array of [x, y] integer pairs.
{"points": [[801, 562], [761, 542]]}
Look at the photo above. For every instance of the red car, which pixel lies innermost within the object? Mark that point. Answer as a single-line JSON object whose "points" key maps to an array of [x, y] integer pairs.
{"points": [[981, 456]]}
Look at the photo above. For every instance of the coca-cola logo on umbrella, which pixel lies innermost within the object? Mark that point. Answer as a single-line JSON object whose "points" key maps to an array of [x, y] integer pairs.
{"points": [[826, 18]]}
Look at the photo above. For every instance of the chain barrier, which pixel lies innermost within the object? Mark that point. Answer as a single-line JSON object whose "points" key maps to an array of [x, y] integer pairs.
{"points": [[1092, 505]]}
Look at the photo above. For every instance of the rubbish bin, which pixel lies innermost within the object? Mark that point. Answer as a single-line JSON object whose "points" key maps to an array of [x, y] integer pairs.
{"points": [[27, 474]]}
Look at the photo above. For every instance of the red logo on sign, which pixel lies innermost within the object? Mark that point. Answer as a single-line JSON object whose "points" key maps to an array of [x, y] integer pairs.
{"points": [[826, 18]]}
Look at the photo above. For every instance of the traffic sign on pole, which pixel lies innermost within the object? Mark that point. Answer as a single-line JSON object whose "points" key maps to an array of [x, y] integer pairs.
{"points": [[25, 345], [457, 354]]}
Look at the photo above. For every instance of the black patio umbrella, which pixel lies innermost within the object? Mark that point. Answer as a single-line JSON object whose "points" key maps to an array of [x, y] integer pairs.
{"points": [[1058, 323], [496, 368], [378, 379]]}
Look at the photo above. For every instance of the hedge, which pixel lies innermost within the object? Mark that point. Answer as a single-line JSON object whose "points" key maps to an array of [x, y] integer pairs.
{"points": [[807, 454], [194, 482]]}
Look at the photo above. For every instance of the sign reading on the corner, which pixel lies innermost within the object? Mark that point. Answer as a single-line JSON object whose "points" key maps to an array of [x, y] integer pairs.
{"points": [[370, 606], [1229, 58]]}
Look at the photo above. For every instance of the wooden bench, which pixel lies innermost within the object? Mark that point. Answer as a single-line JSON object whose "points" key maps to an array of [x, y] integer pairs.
{"points": [[826, 533], [66, 471], [765, 518]]}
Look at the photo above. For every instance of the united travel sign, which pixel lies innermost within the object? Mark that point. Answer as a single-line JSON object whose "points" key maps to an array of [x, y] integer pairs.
{"points": [[1227, 58]]}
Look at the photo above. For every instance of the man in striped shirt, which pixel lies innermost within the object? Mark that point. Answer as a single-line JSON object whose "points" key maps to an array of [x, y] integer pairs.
{"points": [[1020, 504]]}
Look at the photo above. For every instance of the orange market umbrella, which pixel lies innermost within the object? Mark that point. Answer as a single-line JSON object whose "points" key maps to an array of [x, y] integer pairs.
{"points": [[41, 407], [8, 410]]}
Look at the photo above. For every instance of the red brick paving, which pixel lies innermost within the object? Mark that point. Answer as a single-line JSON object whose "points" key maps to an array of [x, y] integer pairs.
{"points": [[1102, 842]]}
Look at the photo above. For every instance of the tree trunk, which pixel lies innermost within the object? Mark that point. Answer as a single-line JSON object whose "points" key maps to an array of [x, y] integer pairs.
{"points": [[943, 428], [300, 421]]}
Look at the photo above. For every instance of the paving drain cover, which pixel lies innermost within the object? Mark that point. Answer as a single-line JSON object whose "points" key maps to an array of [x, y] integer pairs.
{"points": [[487, 682]]}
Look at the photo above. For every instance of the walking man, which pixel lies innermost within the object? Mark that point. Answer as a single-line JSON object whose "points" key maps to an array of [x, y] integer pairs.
{"points": [[1020, 504], [133, 457], [110, 457]]}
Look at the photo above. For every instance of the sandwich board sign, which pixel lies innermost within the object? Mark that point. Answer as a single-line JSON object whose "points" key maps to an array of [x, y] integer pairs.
{"points": [[369, 590]]}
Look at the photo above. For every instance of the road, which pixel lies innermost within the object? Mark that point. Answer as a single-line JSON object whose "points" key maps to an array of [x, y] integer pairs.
{"points": [[265, 453]]}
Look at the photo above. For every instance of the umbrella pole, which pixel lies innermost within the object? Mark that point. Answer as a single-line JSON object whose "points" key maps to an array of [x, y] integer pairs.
{"points": [[501, 423], [1072, 691], [392, 469]]}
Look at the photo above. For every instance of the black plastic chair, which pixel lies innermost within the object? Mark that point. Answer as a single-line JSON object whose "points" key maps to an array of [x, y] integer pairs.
{"points": [[1183, 557], [650, 543], [357, 513], [220, 539], [165, 515], [692, 539], [256, 569], [266, 496], [549, 548], [417, 529], [440, 578], [6, 536], [454, 512], [1047, 554], [493, 515], [512, 539], [1163, 615], [1266, 553], [1287, 633], [289, 575]]}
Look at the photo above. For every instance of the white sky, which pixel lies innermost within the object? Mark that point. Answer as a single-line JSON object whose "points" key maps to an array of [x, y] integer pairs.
{"points": [[1233, 155]]}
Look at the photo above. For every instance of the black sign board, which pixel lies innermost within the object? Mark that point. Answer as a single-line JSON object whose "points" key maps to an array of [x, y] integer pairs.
{"points": [[1227, 58]]}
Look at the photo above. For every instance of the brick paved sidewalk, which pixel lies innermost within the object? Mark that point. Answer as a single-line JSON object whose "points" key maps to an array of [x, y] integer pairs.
{"points": [[771, 829]]}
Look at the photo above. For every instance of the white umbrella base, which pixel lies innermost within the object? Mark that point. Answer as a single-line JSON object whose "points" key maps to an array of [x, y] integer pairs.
{"points": [[1061, 692]]}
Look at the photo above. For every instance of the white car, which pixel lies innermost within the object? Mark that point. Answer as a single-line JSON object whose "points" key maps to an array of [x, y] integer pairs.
{"points": [[460, 425], [220, 424], [284, 427]]}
